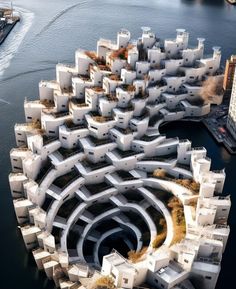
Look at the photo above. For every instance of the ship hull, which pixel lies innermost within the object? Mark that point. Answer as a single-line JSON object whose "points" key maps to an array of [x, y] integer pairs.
{"points": [[6, 30]]}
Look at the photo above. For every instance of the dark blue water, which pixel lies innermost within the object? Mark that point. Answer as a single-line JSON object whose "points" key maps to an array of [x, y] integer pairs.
{"points": [[58, 28]]}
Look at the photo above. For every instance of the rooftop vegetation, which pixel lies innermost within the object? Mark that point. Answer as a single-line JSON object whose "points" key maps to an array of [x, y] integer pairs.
{"points": [[161, 236], [177, 213], [101, 119], [47, 103], [111, 97], [136, 256], [66, 179], [97, 89], [104, 282], [94, 57], [114, 77], [66, 153], [128, 87], [72, 126], [189, 184], [121, 53]]}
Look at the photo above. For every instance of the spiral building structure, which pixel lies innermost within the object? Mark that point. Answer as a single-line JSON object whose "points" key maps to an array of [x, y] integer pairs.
{"points": [[99, 194]]}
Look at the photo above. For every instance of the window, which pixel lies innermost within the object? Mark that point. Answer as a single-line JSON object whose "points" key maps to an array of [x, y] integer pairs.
{"points": [[64, 137], [125, 280], [208, 277], [29, 117], [17, 168], [91, 153], [51, 131]]}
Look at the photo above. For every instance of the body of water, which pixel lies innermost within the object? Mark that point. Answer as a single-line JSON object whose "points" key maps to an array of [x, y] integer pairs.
{"points": [[56, 29]]}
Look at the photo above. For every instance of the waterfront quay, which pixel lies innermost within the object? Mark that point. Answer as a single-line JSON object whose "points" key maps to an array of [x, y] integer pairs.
{"points": [[216, 122], [7, 23]]}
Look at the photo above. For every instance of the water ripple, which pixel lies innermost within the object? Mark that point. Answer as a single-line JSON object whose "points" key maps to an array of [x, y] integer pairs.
{"points": [[58, 15]]}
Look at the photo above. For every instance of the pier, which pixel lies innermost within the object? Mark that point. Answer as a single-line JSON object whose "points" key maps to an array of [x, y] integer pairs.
{"points": [[216, 122], [7, 23]]}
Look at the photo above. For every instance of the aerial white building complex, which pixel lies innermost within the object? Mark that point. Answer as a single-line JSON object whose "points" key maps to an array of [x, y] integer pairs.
{"points": [[98, 191]]}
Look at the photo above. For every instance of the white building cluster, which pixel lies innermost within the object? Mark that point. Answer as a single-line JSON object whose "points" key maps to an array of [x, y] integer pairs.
{"points": [[83, 169]]}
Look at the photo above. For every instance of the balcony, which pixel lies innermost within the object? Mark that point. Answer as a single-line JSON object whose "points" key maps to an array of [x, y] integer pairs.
{"points": [[72, 126], [66, 153], [78, 102], [125, 176], [101, 119], [98, 142], [48, 139], [47, 203], [98, 188], [124, 131], [60, 114], [125, 154], [148, 138], [111, 97], [44, 172], [68, 207], [93, 167], [164, 158], [128, 87], [67, 179]]}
